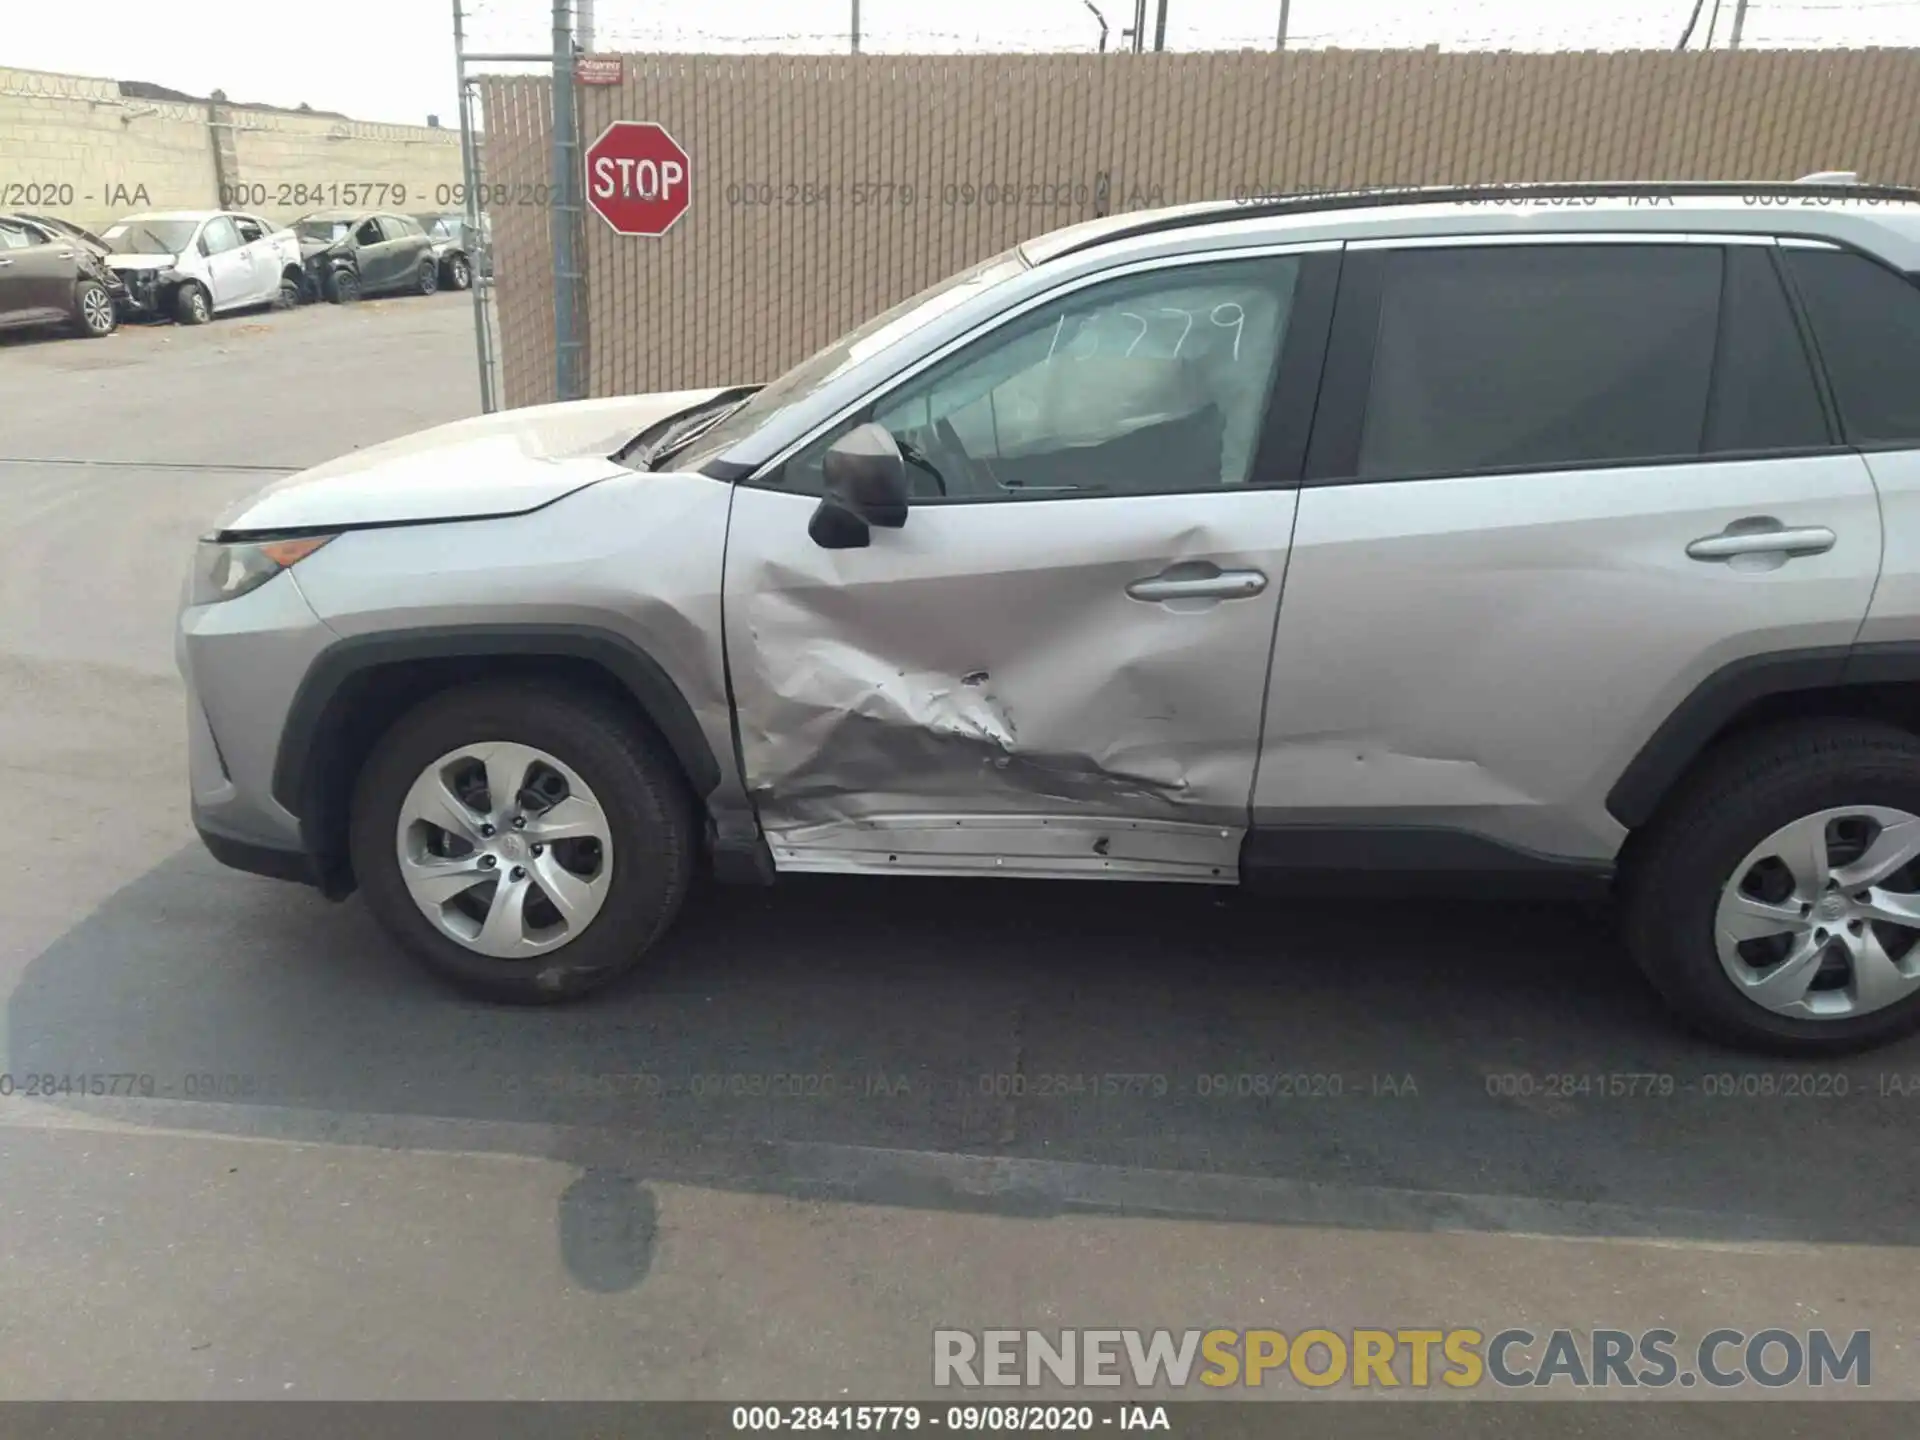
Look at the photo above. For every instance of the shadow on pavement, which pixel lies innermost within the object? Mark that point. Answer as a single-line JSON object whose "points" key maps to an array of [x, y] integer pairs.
{"points": [[1017, 1047]]}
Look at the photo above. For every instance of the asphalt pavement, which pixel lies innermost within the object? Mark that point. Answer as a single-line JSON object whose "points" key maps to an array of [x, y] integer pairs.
{"points": [[829, 1116]]}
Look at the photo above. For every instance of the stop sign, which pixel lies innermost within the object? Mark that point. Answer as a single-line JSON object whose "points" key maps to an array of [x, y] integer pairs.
{"points": [[639, 180]]}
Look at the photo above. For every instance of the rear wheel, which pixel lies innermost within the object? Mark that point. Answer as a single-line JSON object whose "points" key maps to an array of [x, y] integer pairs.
{"points": [[1777, 902], [291, 291], [428, 280], [93, 310], [192, 305], [523, 842]]}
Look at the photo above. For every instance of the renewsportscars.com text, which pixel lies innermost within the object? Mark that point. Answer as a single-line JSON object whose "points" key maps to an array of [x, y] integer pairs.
{"points": [[1412, 1358]]}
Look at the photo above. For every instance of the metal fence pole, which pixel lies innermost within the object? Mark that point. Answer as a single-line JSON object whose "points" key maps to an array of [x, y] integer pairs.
{"points": [[470, 177], [566, 211]]}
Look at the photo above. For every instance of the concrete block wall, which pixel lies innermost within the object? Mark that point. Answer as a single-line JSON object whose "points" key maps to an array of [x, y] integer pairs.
{"points": [[287, 165], [74, 146]]}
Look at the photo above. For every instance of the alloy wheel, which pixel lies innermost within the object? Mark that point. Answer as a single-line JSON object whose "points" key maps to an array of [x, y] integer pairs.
{"points": [[96, 310], [505, 849], [1821, 920]]}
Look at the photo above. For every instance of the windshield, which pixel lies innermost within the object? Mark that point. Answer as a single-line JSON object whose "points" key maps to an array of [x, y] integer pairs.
{"points": [[327, 230], [850, 349], [151, 237]]}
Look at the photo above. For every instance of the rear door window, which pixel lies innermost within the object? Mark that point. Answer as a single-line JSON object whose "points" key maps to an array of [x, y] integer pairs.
{"points": [[1866, 321], [1538, 357]]}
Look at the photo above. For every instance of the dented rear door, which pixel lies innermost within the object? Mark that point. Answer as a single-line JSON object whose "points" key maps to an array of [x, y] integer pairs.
{"points": [[1058, 665]]}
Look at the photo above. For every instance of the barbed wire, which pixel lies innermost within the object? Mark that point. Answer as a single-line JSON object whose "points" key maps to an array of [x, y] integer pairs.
{"points": [[644, 26]]}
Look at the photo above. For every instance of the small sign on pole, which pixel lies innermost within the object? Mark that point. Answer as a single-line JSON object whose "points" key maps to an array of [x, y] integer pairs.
{"points": [[598, 69]]}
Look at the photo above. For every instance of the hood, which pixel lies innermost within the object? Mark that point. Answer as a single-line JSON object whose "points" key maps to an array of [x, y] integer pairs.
{"points": [[143, 262], [506, 463], [310, 247]]}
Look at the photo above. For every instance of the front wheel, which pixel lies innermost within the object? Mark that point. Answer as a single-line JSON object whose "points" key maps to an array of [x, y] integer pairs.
{"points": [[192, 305], [525, 842], [93, 309], [459, 273], [342, 287], [1776, 904]]}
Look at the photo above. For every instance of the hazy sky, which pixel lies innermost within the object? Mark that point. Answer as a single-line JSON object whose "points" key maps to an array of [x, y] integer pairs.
{"points": [[400, 65]]}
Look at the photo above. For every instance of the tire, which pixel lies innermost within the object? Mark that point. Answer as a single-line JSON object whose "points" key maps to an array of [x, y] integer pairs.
{"points": [[642, 803], [192, 305], [342, 287], [290, 294], [1693, 867], [93, 313], [459, 273], [428, 280]]}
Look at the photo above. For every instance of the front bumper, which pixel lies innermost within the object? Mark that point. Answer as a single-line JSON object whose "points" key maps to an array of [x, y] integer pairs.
{"points": [[144, 294], [295, 865], [243, 660]]}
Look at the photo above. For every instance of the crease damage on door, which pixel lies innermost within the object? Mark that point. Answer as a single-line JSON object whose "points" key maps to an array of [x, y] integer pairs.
{"points": [[837, 722]]}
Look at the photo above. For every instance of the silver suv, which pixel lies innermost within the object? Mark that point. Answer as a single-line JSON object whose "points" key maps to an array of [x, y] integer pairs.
{"points": [[1549, 537]]}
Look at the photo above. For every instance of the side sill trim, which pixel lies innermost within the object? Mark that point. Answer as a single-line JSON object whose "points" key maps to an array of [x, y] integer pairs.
{"points": [[1407, 859]]}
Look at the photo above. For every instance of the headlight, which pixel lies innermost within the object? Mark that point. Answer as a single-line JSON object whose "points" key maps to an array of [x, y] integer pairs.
{"points": [[221, 572]]}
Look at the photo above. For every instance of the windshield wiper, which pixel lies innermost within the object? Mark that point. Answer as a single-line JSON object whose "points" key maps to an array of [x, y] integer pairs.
{"points": [[679, 436], [160, 246]]}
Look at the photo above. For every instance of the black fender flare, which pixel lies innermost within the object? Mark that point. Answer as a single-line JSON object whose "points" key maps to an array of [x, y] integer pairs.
{"points": [[1723, 695], [317, 710]]}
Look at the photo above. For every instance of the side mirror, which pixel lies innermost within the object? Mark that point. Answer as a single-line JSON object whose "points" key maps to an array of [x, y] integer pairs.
{"points": [[865, 485]]}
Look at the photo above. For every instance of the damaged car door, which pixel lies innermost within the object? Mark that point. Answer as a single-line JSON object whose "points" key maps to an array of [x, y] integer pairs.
{"points": [[1051, 658]]}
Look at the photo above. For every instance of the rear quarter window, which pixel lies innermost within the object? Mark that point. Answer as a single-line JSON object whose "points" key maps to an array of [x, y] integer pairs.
{"points": [[1866, 321]]}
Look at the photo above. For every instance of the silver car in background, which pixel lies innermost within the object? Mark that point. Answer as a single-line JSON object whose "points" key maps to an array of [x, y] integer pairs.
{"points": [[1473, 542]]}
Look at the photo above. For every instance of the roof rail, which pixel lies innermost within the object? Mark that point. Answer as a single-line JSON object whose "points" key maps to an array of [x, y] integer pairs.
{"points": [[1308, 202]]}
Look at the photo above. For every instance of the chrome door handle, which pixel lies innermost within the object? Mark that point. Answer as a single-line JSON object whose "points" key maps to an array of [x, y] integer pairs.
{"points": [[1762, 535], [1198, 583]]}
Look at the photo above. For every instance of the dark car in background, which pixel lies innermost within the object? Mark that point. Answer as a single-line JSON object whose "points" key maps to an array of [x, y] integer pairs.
{"points": [[346, 254], [463, 248], [66, 227], [48, 277]]}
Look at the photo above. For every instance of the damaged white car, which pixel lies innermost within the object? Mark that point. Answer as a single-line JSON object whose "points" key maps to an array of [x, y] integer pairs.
{"points": [[190, 265], [1390, 540]]}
